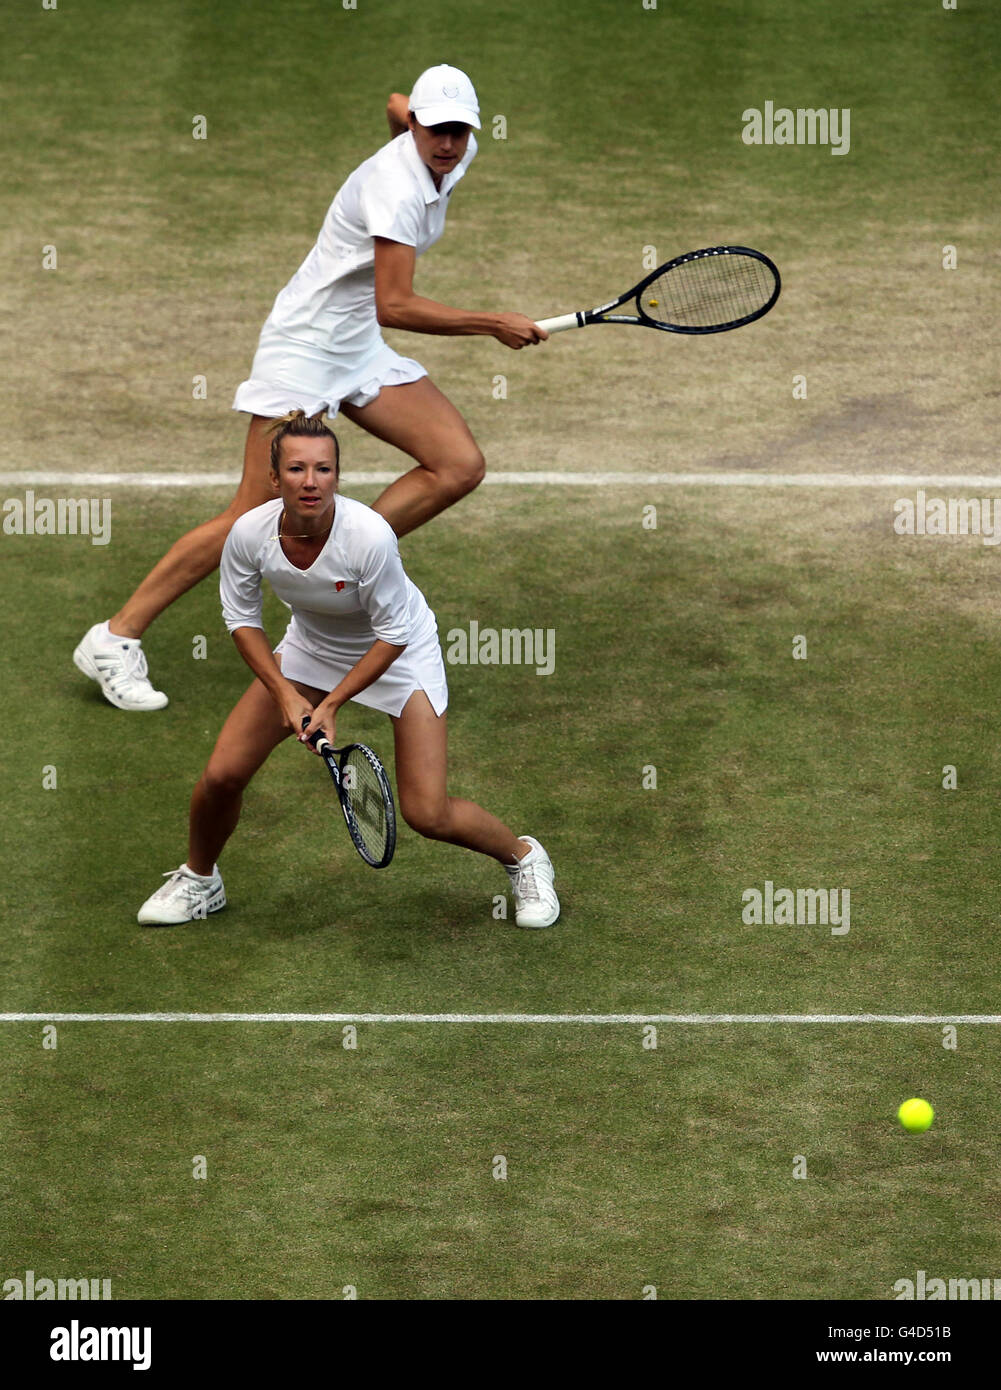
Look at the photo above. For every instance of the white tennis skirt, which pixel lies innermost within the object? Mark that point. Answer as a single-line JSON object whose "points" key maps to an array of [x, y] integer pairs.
{"points": [[289, 374], [420, 667]]}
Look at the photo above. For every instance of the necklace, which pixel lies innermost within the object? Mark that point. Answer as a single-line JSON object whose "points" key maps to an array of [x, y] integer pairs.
{"points": [[303, 536]]}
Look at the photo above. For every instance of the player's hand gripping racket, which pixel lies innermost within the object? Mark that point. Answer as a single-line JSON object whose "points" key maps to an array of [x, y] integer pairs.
{"points": [[365, 795], [701, 292]]}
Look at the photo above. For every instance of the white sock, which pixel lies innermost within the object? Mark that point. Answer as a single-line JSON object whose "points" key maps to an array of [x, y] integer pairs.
{"points": [[106, 636], [205, 878]]}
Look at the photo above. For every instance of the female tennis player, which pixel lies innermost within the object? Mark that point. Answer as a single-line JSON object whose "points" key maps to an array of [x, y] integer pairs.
{"points": [[360, 630], [321, 349]]}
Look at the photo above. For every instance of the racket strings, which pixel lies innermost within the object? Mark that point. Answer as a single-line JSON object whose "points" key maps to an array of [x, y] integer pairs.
{"points": [[709, 291], [363, 789]]}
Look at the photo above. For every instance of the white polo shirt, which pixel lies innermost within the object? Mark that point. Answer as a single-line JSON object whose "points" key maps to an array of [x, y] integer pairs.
{"points": [[330, 300]]}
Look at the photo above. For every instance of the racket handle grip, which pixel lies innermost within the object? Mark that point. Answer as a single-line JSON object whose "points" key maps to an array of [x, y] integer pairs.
{"points": [[316, 738], [560, 323]]}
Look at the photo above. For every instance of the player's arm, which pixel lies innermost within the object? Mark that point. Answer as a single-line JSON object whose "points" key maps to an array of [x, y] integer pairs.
{"points": [[383, 593], [397, 110], [253, 645], [375, 663], [397, 306], [240, 595]]}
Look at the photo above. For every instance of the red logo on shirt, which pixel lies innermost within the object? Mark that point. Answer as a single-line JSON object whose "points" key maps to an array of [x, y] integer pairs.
{"points": [[339, 585]]}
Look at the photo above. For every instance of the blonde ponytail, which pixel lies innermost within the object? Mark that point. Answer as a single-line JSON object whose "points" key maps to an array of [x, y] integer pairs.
{"points": [[298, 425]]}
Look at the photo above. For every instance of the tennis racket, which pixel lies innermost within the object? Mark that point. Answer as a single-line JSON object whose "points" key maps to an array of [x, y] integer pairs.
{"points": [[705, 291], [365, 795]]}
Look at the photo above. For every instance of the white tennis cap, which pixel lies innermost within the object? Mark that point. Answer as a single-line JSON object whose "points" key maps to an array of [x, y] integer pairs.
{"points": [[445, 94]]}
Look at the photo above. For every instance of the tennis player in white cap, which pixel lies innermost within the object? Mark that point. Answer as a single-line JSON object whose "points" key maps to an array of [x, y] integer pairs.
{"points": [[321, 350]]}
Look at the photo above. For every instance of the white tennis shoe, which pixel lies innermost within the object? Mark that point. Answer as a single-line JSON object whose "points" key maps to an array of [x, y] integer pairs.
{"points": [[535, 900], [185, 897], [119, 667]]}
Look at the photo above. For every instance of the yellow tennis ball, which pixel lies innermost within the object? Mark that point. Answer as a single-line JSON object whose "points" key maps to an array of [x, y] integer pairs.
{"points": [[916, 1115]]}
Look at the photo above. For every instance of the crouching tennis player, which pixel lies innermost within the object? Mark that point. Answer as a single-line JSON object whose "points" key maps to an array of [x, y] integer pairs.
{"points": [[360, 630]]}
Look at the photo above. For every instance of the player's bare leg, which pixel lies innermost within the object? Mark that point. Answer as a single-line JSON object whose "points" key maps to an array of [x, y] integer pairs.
{"points": [[111, 653], [198, 553], [423, 422], [421, 740], [195, 889], [255, 727], [421, 780]]}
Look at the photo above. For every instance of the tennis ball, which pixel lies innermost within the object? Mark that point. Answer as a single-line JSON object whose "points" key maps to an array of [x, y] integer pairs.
{"points": [[915, 1115]]}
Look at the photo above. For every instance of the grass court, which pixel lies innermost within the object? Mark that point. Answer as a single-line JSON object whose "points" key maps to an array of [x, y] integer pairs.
{"points": [[373, 1167]]}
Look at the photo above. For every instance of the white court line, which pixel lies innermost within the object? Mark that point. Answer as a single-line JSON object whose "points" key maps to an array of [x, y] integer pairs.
{"points": [[499, 1018], [979, 481]]}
